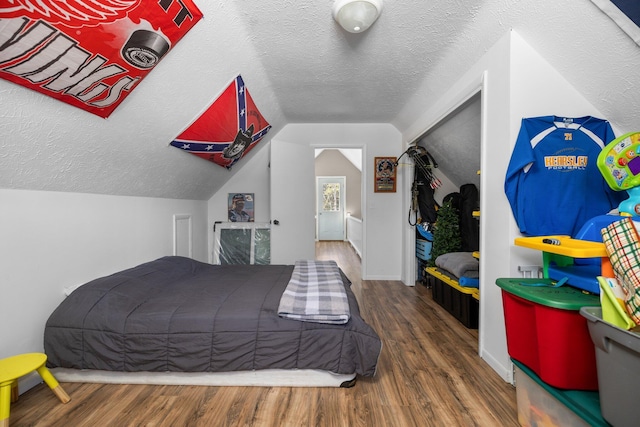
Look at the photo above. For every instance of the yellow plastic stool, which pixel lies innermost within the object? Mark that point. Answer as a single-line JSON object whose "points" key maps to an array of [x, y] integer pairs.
{"points": [[15, 367]]}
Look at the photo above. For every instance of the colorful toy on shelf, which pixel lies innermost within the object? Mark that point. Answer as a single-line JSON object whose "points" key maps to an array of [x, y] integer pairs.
{"points": [[619, 164], [580, 259]]}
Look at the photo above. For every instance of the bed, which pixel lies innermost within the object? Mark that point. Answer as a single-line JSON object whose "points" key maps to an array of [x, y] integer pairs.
{"points": [[179, 321]]}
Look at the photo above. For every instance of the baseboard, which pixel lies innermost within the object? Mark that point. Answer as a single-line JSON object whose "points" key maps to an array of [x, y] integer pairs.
{"points": [[505, 372], [28, 382]]}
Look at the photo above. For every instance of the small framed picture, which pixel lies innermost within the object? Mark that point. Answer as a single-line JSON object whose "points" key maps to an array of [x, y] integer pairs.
{"points": [[241, 207], [385, 176]]}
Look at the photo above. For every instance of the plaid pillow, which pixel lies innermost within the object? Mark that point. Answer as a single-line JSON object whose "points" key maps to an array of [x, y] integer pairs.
{"points": [[622, 243]]}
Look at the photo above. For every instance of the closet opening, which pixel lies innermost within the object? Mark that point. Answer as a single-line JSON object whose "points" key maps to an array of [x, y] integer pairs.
{"points": [[454, 142]]}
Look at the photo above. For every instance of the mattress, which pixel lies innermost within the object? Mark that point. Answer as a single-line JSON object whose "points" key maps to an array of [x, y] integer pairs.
{"points": [[176, 314]]}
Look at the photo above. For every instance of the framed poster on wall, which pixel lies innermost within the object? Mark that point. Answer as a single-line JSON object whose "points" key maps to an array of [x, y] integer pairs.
{"points": [[385, 176], [241, 207]]}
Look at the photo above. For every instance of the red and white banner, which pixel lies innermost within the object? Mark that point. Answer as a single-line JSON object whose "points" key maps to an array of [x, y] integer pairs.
{"points": [[89, 53], [227, 130]]}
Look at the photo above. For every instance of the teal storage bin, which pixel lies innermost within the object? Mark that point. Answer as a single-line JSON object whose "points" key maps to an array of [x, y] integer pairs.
{"points": [[423, 249], [539, 404]]}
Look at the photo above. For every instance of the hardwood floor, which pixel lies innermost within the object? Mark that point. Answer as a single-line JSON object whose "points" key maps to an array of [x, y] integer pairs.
{"points": [[429, 374]]}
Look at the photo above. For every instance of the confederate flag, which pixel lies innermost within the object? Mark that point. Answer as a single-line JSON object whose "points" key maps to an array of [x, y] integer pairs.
{"points": [[228, 128]]}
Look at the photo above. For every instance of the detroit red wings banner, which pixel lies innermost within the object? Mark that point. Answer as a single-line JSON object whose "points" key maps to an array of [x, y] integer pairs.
{"points": [[227, 130], [89, 53]]}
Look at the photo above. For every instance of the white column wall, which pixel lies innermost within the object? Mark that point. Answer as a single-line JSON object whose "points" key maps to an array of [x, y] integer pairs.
{"points": [[382, 212], [516, 82], [252, 178]]}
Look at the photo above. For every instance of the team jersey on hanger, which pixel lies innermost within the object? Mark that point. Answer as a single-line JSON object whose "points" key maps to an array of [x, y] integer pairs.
{"points": [[553, 183]]}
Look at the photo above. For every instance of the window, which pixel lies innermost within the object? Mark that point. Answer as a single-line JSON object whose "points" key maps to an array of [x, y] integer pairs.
{"points": [[331, 197]]}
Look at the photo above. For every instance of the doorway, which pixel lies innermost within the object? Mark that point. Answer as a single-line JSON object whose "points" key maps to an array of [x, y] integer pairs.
{"points": [[456, 140], [330, 210], [345, 162]]}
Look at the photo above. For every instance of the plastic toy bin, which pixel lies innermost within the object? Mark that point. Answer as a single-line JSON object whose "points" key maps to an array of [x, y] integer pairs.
{"points": [[546, 332], [462, 303], [618, 366], [423, 249], [539, 404]]}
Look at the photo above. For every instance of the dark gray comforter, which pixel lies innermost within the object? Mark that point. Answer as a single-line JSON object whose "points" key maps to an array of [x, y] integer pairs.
{"points": [[177, 314]]}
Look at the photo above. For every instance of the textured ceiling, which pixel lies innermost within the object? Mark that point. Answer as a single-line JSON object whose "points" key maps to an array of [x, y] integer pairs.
{"points": [[301, 67], [321, 73]]}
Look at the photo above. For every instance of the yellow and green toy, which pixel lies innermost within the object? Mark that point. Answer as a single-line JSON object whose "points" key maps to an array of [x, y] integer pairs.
{"points": [[619, 164]]}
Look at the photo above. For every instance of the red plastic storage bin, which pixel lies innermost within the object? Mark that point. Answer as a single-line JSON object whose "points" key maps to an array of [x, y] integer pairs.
{"points": [[547, 334]]}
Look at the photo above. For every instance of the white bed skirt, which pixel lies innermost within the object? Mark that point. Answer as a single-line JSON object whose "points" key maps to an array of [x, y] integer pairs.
{"points": [[260, 378]]}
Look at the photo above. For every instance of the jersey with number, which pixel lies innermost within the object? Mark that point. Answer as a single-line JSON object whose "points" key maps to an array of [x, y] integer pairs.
{"points": [[553, 183]]}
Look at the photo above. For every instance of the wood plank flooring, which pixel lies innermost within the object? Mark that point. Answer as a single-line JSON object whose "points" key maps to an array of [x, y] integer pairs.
{"points": [[429, 374]]}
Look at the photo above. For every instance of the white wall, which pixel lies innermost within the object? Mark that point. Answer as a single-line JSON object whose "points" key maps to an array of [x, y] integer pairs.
{"points": [[537, 89], [382, 213], [382, 217], [252, 178], [516, 82], [491, 76], [50, 241]]}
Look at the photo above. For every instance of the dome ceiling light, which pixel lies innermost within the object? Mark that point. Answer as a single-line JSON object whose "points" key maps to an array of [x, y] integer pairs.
{"points": [[355, 16]]}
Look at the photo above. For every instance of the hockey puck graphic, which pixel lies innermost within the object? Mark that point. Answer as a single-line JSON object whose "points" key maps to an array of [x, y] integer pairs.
{"points": [[144, 49]]}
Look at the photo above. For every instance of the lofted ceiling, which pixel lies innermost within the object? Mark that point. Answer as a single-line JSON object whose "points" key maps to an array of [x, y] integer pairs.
{"points": [[354, 155], [301, 67]]}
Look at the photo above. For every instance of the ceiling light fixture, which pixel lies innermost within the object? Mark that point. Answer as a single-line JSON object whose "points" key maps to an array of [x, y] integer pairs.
{"points": [[356, 16]]}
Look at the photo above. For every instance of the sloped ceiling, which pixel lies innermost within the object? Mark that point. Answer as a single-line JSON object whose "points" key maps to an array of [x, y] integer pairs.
{"points": [[354, 155], [301, 67], [454, 143]]}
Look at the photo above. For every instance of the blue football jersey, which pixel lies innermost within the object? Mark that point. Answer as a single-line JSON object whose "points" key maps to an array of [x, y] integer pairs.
{"points": [[553, 183]]}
